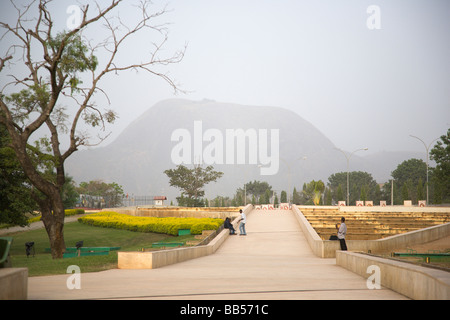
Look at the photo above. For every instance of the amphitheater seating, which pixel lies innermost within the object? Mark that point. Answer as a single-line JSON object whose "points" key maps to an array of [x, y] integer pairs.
{"points": [[371, 225]]}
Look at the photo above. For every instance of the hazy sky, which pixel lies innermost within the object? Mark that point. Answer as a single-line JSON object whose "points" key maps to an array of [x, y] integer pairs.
{"points": [[361, 87]]}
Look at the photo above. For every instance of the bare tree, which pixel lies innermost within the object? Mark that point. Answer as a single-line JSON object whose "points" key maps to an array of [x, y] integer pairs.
{"points": [[59, 88]]}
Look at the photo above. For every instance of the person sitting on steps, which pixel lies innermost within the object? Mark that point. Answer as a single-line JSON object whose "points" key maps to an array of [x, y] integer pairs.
{"points": [[227, 225]]}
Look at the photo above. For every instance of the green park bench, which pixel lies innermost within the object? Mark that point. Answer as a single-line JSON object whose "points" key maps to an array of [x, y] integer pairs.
{"points": [[72, 252], [5, 245], [184, 232]]}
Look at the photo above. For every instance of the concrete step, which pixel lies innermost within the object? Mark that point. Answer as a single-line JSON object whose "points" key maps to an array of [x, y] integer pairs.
{"points": [[371, 225], [205, 234], [376, 217], [373, 229], [376, 224], [367, 236], [192, 242]]}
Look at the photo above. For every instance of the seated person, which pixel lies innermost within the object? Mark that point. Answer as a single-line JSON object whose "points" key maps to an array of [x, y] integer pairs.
{"points": [[227, 225]]}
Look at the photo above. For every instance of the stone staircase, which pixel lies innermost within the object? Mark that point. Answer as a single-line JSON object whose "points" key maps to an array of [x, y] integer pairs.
{"points": [[371, 225]]}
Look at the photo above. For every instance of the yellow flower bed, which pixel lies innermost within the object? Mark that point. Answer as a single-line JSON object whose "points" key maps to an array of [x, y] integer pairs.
{"points": [[169, 225]]}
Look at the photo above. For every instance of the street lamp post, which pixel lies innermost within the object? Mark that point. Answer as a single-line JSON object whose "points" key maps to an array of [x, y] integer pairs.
{"points": [[348, 163], [290, 175], [426, 148]]}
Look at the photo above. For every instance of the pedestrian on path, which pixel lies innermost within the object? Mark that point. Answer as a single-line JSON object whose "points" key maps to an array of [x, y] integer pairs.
{"points": [[242, 224], [342, 231]]}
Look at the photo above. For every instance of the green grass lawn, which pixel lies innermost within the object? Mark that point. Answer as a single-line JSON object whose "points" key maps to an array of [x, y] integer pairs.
{"points": [[43, 264]]}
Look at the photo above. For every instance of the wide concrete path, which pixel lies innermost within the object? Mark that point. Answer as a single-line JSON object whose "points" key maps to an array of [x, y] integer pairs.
{"points": [[273, 261]]}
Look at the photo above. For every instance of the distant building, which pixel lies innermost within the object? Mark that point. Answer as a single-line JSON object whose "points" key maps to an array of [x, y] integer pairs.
{"points": [[159, 200]]}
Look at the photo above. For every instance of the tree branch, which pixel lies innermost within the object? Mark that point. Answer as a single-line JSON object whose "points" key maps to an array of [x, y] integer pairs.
{"points": [[49, 75]]}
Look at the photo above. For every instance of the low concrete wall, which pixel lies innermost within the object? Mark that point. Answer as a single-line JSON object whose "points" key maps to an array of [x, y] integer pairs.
{"points": [[182, 212], [413, 281], [157, 259], [327, 248], [314, 241], [13, 283]]}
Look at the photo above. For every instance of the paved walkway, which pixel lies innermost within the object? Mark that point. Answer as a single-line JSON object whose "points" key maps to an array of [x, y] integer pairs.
{"points": [[273, 261], [36, 225]]}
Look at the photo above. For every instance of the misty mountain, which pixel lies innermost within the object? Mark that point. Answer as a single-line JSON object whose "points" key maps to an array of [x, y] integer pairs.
{"points": [[159, 139]]}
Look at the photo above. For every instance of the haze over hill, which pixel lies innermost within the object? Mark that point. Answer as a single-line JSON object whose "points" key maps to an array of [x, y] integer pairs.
{"points": [[150, 144]]}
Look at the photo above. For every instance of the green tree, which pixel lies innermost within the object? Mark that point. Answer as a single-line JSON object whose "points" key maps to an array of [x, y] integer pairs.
{"points": [[275, 200], [16, 201], [61, 73], [191, 182], [318, 192], [378, 194], [441, 173], [219, 201], [340, 194], [328, 197], [239, 199], [420, 192], [17, 194], [438, 191], [266, 196], [296, 197], [407, 176], [363, 196], [386, 191], [111, 194], [283, 196], [357, 180], [313, 192], [412, 169], [69, 194], [257, 188], [405, 192]]}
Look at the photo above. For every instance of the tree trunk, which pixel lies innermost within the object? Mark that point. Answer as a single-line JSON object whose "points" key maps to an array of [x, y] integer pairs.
{"points": [[54, 224], [56, 237]]}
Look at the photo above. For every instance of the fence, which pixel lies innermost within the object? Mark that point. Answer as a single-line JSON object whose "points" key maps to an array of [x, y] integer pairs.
{"points": [[138, 201]]}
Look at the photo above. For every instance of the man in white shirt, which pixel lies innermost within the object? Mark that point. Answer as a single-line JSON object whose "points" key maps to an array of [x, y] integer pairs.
{"points": [[242, 224], [342, 231]]}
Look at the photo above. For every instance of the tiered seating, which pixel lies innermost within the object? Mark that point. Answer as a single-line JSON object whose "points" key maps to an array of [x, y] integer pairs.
{"points": [[371, 225]]}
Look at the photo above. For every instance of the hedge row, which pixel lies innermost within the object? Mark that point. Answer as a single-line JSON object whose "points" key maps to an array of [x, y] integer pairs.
{"points": [[150, 224], [67, 212]]}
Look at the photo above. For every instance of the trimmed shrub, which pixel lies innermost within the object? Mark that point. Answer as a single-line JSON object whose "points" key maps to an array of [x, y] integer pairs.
{"points": [[67, 212], [150, 224]]}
